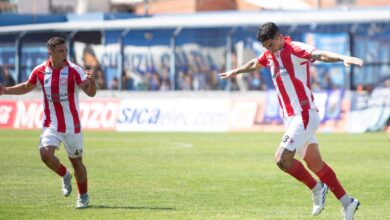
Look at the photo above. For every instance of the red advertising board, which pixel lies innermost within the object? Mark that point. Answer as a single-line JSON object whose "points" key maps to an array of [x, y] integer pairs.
{"points": [[7, 113], [97, 114]]}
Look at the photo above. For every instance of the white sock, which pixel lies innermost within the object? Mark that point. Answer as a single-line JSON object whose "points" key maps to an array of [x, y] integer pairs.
{"points": [[317, 188], [345, 200]]}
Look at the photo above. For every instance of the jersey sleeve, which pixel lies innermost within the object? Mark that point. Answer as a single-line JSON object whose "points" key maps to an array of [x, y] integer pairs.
{"points": [[79, 74], [262, 59], [302, 50], [33, 78]]}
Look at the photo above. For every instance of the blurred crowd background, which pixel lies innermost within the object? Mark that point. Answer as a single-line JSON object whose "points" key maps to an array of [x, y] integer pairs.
{"points": [[165, 59]]}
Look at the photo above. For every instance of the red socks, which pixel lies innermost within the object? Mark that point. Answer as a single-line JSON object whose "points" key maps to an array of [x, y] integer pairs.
{"points": [[299, 172], [61, 170], [83, 187], [328, 176]]}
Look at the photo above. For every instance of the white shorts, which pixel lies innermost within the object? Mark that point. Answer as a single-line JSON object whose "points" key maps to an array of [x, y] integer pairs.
{"points": [[73, 143], [300, 131]]}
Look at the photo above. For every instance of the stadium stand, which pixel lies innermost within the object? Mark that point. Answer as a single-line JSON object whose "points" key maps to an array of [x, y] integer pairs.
{"points": [[136, 52]]}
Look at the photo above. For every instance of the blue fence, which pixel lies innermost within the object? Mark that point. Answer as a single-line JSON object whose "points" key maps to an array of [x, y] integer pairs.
{"points": [[201, 53]]}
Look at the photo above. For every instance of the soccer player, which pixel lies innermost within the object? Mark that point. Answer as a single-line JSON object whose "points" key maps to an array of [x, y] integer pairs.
{"points": [[289, 63], [61, 81]]}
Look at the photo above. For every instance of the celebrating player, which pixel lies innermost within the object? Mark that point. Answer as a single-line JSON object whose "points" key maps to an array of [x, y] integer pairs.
{"points": [[60, 81], [289, 63]]}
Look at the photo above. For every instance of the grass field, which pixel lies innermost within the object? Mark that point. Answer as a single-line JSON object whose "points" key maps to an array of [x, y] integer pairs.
{"points": [[189, 176]]}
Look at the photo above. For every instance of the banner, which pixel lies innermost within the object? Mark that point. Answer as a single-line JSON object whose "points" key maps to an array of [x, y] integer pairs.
{"points": [[99, 114], [215, 112], [26, 114], [174, 114], [7, 113]]}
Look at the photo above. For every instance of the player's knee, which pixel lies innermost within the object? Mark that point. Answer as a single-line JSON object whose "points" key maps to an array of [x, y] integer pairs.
{"points": [[46, 156], [282, 164]]}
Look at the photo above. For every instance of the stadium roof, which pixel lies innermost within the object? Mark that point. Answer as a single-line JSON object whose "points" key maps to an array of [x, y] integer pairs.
{"points": [[213, 20]]}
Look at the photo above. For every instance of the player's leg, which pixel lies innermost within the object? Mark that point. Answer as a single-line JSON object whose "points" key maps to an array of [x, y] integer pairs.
{"points": [[50, 142], [285, 160], [51, 161], [328, 176], [80, 173], [314, 162], [293, 140], [313, 158], [299, 131], [73, 144]]}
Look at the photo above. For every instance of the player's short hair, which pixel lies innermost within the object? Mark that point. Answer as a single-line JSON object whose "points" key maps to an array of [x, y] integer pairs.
{"points": [[54, 41], [267, 31]]}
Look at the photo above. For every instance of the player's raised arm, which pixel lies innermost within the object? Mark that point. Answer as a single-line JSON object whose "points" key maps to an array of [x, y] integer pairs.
{"points": [[250, 66], [19, 89], [89, 85], [330, 57]]}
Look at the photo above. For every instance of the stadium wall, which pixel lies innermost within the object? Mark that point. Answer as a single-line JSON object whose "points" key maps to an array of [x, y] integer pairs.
{"points": [[340, 111]]}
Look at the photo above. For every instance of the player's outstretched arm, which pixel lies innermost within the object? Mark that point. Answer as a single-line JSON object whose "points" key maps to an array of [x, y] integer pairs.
{"points": [[251, 66], [330, 57], [89, 85], [19, 89]]}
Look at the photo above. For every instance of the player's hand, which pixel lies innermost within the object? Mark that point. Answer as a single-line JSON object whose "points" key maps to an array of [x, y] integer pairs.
{"points": [[90, 74], [227, 75], [352, 60]]}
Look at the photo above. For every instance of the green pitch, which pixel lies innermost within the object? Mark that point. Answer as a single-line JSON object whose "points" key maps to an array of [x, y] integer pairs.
{"points": [[189, 176]]}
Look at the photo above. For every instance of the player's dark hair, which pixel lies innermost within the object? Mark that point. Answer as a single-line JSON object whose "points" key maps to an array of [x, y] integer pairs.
{"points": [[267, 31], [54, 41]]}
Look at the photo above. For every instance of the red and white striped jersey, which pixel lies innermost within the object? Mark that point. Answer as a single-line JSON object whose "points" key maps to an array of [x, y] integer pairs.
{"points": [[291, 76], [60, 89]]}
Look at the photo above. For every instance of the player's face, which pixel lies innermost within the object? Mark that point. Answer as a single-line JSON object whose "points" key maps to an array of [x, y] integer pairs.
{"points": [[59, 54], [274, 44]]}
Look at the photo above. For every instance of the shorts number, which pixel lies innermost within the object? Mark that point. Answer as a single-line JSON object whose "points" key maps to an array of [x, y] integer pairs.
{"points": [[285, 138]]}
